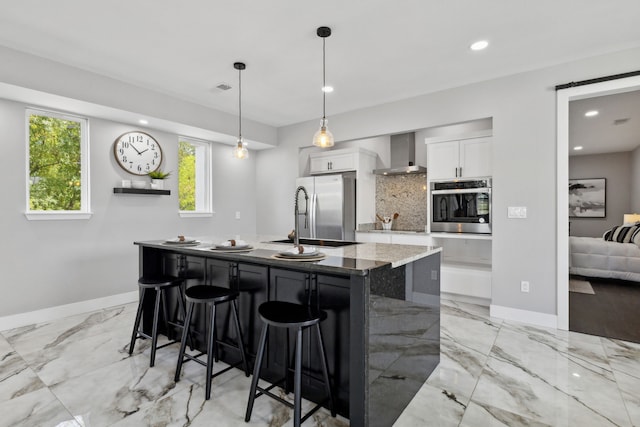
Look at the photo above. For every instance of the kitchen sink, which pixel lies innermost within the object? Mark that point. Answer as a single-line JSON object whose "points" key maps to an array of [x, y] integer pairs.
{"points": [[318, 242]]}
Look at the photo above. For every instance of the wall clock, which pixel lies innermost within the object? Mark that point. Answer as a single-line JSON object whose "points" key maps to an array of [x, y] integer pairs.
{"points": [[137, 152]]}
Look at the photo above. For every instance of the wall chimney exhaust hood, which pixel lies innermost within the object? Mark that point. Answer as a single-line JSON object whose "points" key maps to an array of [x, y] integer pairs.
{"points": [[403, 156]]}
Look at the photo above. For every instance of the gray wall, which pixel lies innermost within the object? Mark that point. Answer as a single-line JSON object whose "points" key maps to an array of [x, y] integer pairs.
{"points": [[635, 181], [616, 168], [523, 108], [51, 263], [58, 262]]}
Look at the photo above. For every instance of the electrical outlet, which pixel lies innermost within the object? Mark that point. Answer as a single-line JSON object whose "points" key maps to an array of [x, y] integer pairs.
{"points": [[237, 214], [524, 286], [434, 274]]}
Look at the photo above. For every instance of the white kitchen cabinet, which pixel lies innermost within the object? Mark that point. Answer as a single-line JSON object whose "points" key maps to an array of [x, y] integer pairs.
{"points": [[411, 239], [394, 237], [466, 158], [341, 160], [328, 162], [466, 282], [466, 267]]}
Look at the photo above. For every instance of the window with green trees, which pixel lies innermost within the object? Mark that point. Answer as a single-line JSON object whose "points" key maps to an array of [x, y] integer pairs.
{"points": [[57, 162], [194, 177]]}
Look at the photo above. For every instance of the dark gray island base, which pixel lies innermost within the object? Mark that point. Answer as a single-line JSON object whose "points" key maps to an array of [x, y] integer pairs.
{"points": [[380, 347]]}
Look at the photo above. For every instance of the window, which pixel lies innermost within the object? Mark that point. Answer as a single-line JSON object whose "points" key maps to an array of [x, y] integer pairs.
{"points": [[194, 177], [58, 167]]}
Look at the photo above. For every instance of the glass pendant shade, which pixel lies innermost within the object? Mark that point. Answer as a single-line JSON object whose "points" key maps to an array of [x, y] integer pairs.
{"points": [[323, 137], [240, 151]]}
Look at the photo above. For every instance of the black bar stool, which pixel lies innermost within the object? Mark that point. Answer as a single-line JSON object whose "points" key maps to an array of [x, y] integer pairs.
{"points": [[159, 285], [288, 315], [211, 296]]}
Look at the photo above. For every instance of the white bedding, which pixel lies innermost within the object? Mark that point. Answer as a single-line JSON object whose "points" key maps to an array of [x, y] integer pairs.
{"points": [[596, 257]]}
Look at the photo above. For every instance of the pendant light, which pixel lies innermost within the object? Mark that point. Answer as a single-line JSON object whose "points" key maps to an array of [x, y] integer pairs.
{"points": [[240, 150], [323, 138]]}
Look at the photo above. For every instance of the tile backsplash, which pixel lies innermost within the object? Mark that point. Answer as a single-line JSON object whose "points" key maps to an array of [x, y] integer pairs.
{"points": [[405, 195]]}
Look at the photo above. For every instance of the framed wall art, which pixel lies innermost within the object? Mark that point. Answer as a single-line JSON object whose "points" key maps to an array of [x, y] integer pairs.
{"points": [[587, 198]]}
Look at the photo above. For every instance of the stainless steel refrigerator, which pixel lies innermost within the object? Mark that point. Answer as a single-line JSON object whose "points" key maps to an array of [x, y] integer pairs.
{"points": [[331, 208]]}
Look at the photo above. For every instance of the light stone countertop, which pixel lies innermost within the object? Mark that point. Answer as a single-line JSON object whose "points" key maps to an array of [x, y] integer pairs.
{"points": [[394, 254]]}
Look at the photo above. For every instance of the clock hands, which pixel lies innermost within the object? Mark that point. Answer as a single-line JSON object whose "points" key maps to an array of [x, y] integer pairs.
{"points": [[140, 152], [134, 147]]}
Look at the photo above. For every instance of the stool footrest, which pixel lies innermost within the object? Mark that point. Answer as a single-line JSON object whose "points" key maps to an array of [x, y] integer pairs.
{"points": [[188, 357], [267, 391], [149, 337]]}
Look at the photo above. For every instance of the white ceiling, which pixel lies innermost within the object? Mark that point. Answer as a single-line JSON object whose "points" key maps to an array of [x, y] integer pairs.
{"points": [[601, 133], [380, 50]]}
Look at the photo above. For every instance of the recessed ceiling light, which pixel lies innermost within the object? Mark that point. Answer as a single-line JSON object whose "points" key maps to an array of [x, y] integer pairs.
{"points": [[479, 45], [578, 147], [143, 122], [327, 89], [591, 113]]}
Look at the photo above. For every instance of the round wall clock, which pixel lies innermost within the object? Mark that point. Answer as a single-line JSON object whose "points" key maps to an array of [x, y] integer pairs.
{"points": [[137, 152]]}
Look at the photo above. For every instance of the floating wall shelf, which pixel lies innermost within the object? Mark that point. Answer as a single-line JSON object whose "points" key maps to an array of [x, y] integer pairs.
{"points": [[118, 190]]}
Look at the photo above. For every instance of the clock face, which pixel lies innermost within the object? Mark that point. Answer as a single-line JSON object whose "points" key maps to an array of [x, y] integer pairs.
{"points": [[137, 152]]}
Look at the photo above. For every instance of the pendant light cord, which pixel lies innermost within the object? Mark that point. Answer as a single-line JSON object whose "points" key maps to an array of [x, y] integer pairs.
{"points": [[324, 83], [240, 104]]}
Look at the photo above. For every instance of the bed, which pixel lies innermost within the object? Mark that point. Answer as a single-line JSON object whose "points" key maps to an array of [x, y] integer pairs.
{"points": [[597, 257]]}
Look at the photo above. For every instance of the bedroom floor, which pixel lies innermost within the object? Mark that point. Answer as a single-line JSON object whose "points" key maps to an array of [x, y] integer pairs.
{"points": [[613, 311]]}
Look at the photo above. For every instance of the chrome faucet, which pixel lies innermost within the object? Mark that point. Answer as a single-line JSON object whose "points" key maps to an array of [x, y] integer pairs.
{"points": [[296, 234]]}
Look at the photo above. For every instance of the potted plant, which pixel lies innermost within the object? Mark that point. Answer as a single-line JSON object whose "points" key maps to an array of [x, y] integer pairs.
{"points": [[157, 179]]}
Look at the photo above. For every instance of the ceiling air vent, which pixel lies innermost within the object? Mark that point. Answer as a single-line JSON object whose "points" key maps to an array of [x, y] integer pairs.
{"points": [[620, 121], [223, 86]]}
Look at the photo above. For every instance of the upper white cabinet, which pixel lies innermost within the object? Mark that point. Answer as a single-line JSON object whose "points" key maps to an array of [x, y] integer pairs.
{"points": [[342, 160], [467, 158]]}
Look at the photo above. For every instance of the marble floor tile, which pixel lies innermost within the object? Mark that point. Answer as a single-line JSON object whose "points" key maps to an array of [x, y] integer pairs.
{"points": [[16, 378], [473, 333], [227, 407], [431, 407], [76, 372], [531, 373], [81, 353], [38, 408], [623, 356], [107, 395], [458, 372], [489, 416], [630, 391], [61, 332]]}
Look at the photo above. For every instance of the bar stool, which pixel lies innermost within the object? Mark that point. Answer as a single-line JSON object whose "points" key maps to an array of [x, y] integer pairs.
{"points": [[211, 296], [159, 285], [288, 315]]}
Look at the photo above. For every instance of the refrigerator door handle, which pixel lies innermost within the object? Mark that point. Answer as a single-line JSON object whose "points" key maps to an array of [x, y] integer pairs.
{"points": [[313, 211]]}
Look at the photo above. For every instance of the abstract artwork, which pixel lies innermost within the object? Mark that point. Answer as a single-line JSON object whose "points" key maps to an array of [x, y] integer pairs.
{"points": [[587, 198]]}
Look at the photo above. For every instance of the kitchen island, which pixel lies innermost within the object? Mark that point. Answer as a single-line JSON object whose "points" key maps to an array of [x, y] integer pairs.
{"points": [[380, 347]]}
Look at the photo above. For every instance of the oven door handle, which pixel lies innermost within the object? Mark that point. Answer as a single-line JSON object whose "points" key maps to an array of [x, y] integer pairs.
{"points": [[462, 191]]}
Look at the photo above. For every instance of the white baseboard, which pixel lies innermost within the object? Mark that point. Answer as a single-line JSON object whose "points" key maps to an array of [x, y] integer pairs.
{"points": [[52, 313], [485, 302], [524, 316]]}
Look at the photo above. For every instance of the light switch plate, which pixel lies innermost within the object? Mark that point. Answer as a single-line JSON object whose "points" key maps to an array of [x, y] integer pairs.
{"points": [[516, 212]]}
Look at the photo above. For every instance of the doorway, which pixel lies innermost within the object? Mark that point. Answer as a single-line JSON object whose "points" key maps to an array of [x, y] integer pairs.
{"points": [[563, 98]]}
